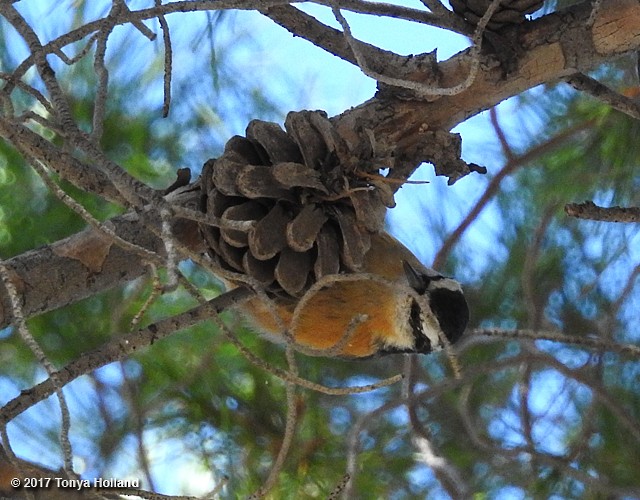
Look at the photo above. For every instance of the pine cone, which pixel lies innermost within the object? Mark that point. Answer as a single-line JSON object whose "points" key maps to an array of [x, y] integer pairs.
{"points": [[311, 198], [509, 11]]}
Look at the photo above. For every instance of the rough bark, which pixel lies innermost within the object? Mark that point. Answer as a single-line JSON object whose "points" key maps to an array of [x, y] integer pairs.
{"points": [[553, 47]]}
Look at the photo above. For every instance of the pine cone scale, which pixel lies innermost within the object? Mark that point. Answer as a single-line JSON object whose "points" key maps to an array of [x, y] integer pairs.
{"points": [[303, 230], [268, 237], [292, 270]]}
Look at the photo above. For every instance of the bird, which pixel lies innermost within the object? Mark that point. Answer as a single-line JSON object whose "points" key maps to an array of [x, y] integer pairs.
{"points": [[308, 233], [397, 305]]}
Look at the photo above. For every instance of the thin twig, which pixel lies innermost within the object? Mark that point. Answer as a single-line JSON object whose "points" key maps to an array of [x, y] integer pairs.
{"points": [[100, 68], [524, 393], [500, 134], [591, 211], [117, 349], [285, 375], [339, 488], [590, 342], [603, 93], [527, 278], [32, 343], [595, 9], [125, 12], [35, 93], [168, 240], [289, 432], [626, 290], [474, 53], [136, 410], [441, 466], [168, 62], [303, 304], [210, 220], [81, 53], [45, 123], [494, 186], [156, 290], [218, 488]]}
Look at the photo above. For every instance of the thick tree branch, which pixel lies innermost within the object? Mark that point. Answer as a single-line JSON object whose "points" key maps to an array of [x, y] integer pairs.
{"points": [[77, 267], [553, 47], [332, 40], [443, 19]]}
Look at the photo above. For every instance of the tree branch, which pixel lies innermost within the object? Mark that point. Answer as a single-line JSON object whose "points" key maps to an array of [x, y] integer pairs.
{"points": [[593, 87], [444, 19], [119, 348], [77, 267], [589, 210], [582, 341], [330, 39], [553, 47]]}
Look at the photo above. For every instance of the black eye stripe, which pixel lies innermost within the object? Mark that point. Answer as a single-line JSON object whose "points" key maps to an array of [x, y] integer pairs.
{"points": [[422, 342]]}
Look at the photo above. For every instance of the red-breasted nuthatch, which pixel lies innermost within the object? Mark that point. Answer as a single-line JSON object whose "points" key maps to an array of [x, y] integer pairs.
{"points": [[409, 309]]}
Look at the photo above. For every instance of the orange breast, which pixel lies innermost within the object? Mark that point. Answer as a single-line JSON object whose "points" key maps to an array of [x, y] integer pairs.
{"points": [[325, 319]]}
